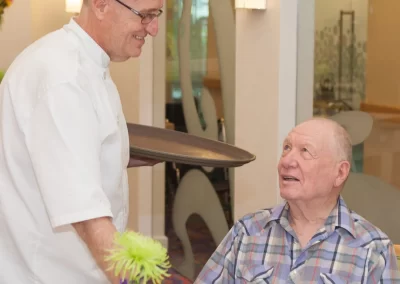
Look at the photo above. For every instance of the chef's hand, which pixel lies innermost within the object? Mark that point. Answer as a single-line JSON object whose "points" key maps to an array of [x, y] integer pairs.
{"points": [[141, 162]]}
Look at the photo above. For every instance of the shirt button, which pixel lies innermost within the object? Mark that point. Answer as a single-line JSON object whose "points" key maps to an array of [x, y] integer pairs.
{"points": [[104, 75]]}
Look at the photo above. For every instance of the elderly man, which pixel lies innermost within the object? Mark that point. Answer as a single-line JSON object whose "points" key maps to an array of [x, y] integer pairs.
{"points": [[64, 147], [314, 237]]}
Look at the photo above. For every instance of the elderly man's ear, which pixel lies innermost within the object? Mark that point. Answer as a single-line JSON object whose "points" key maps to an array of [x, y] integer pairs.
{"points": [[342, 173]]}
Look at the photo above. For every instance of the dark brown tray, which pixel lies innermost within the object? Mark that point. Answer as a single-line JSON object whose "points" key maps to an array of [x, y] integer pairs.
{"points": [[174, 146]]}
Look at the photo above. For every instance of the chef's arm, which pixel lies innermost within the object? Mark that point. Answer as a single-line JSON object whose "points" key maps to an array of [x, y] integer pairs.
{"points": [[98, 234]]}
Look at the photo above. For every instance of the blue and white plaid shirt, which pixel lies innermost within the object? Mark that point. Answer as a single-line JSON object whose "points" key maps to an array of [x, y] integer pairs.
{"points": [[263, 248]]}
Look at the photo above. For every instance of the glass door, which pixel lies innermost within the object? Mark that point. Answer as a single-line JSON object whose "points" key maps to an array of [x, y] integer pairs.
{"points": [[197, 199], [356, 70]]}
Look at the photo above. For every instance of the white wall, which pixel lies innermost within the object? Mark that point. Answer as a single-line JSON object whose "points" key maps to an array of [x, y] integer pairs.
{"points": [[15, 32], [265, 99], [48, 16], [126, 78]]}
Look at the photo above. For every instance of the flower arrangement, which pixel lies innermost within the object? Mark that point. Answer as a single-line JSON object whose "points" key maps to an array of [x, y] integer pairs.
{"points": [[138, 258], [3, 5]]}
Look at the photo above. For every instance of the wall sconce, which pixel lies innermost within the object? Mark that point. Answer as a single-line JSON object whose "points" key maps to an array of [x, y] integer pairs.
{"points": [[251, 4], [73, 6]]}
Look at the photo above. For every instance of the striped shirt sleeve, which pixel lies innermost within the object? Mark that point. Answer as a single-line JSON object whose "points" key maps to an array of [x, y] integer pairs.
{"points": [[220, 268], [386, 270]]}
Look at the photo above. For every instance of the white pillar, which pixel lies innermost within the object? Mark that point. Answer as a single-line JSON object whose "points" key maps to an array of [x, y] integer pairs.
{"points": [[266, 75], [145, 174]]}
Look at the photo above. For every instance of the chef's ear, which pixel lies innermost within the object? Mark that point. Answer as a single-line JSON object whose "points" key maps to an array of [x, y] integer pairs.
{"points": [[100, 8]]}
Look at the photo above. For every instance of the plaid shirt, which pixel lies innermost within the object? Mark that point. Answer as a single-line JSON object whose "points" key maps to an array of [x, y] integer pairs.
{"points": [[263, 248]]}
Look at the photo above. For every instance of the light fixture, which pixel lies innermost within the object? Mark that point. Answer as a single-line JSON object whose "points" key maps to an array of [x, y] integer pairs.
{"points": [[73, 6], [251, 4]]}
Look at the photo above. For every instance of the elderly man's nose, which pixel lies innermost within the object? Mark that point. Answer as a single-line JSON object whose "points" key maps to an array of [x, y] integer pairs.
{"points": [[289, 160], [152, 27]]}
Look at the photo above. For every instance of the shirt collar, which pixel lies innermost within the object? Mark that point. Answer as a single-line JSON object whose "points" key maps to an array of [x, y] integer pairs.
{"points": [[343, 218], [92, 49], [340, 217]]}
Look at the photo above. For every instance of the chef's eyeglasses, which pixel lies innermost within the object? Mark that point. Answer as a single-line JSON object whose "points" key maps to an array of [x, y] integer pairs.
{"points": [[146, 18]]}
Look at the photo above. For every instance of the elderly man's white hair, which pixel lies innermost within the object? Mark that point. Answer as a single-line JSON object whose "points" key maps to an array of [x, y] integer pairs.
{"points": [[341, 139]]}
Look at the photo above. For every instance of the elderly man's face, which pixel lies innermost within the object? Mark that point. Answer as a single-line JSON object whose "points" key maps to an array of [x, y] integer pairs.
{"points": [[124, 31], [307, 168]]}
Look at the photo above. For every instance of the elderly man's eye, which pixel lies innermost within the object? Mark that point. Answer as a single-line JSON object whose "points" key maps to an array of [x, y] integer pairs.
{"points": [[286, 147], [307, 154]]}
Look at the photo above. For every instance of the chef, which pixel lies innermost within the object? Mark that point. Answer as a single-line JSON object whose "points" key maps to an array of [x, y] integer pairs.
{"points": [[64, 146]]}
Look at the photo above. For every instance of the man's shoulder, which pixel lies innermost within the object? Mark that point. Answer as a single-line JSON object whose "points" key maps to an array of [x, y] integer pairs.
{"points": [[254, 223], [51, 44], [368, 235], [51, 57]]}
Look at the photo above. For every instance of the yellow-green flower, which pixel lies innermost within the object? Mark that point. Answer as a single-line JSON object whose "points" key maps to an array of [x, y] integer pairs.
{"points": [[138, 258]]}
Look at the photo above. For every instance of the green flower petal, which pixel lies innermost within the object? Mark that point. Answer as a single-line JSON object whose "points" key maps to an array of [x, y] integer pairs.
{"points": [[138, 258]]}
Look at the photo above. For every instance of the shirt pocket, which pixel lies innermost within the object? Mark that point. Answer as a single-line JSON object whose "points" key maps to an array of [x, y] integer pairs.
{"points": [[254, 262], [255, 273], [328, 278]]}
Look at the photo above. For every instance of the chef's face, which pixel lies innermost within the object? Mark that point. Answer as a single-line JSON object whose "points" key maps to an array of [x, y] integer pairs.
{"points": [[127, 23]]}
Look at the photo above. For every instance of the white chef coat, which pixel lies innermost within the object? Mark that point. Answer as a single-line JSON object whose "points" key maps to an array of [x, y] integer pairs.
{"points": [[64, 149]]}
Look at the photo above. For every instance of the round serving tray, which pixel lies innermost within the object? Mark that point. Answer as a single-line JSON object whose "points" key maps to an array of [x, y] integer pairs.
{"points": [[174, 146]]}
